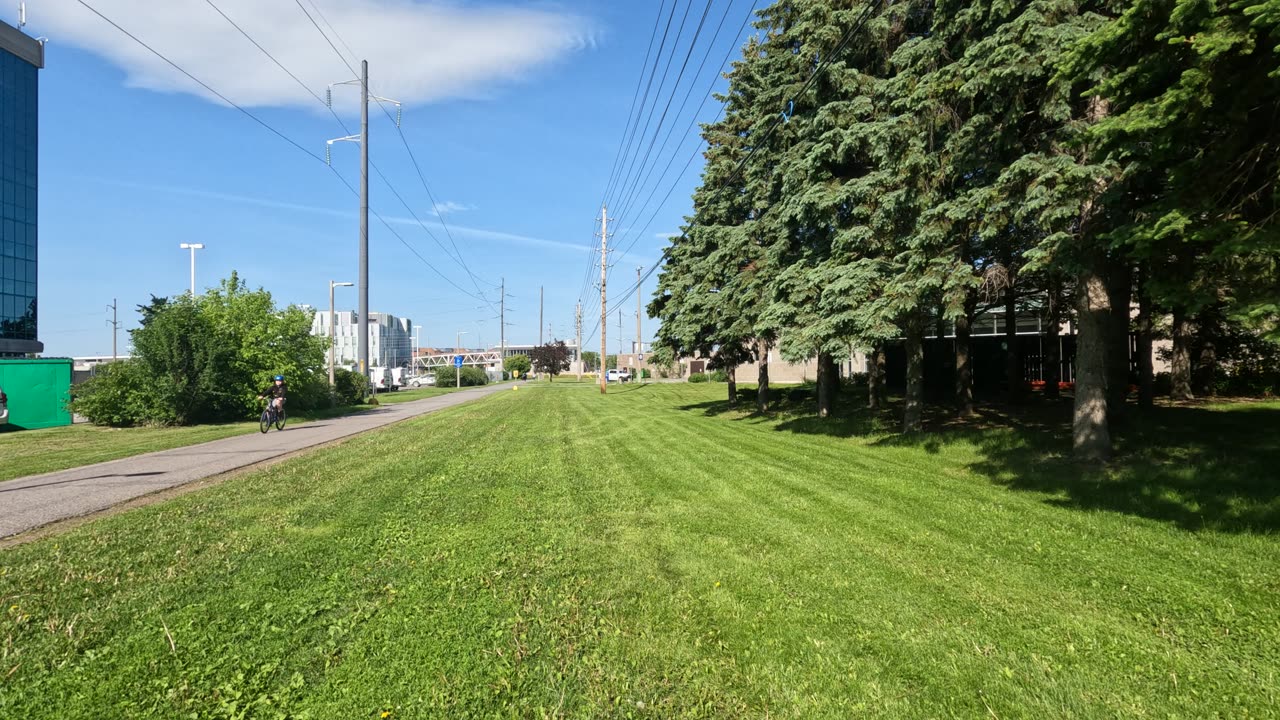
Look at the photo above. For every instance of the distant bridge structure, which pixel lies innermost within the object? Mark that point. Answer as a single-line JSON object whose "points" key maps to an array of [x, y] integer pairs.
{"points": [[482, 359]]}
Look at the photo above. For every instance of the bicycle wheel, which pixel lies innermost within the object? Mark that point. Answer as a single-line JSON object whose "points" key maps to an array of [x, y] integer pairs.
{"points": [[264, 424], [280, 419]]}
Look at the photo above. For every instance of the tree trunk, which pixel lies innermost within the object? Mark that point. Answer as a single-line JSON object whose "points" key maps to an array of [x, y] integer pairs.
{"points": [[1091, 436], [732, 372], [1120, 287], [1146, 370], [913, 411], [1204, 373], [964, 360], [1053, 341], [762, 389], [1012, 358], [875, 378], [1180, 366], [826, 385]]}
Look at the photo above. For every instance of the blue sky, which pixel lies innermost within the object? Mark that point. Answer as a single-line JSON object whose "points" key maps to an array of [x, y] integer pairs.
{"points": [[514, 111]]}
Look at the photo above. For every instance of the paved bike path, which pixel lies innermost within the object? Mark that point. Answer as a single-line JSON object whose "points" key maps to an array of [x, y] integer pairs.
{"points": [[27, 503]]}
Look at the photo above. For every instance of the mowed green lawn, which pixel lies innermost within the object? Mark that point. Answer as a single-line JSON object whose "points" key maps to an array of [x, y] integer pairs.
{"points": [[550, 552]]}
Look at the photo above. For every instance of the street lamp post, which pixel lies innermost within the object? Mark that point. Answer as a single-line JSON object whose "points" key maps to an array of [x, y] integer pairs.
{"points": [[193, 247], [333, 340], [457, 371], [417, 333]]}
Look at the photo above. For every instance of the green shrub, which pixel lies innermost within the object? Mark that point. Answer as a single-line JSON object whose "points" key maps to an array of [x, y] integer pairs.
{"points": [[698, 378], [719, 376], [311, 392], [348, 387], [447, 377], [518, 363], [117, 396], [645, 374]]}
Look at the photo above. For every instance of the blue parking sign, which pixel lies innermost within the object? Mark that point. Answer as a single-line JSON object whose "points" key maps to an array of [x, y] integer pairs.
{"points": [[457, 361]]}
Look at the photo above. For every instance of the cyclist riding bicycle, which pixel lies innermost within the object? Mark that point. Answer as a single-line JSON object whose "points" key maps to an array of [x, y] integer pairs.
{"points": [[276, 391]]}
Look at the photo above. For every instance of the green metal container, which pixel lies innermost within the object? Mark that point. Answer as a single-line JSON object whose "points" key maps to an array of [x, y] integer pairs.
{"points": [[38, 392]]}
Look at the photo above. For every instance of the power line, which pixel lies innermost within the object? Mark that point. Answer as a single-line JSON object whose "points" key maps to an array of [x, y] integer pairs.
{"points": [[858, 24], [692, 124], [273, 130], [626, 196], [457, 254], [200, 82], [629, 135], [326, 37], [666, 70], [635, 95], [332, 28]]}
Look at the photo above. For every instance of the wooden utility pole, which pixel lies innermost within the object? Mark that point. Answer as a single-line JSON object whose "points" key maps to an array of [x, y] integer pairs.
{"points": [[577, 324], [604, 310], [639, 347]]}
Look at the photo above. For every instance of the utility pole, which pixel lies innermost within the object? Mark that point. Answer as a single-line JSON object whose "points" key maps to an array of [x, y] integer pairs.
{"points": [[639, 348], [577, 324], [539, 315], [363, 320], [604, 265], [502, 322], [619, 336], [114, 322], [363, 138]]}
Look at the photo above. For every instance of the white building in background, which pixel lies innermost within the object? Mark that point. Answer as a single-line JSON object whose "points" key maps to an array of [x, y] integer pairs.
{"points": [[390, 338]]}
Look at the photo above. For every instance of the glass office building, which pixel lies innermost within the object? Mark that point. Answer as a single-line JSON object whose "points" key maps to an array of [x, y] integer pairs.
{"points": [[21, 57]]}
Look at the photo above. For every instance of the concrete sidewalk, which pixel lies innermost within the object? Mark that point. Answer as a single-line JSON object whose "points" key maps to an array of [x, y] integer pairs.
{"points": [[27, 503]]}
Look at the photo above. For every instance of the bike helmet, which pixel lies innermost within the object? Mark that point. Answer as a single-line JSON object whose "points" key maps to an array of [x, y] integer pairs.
{"points": [[279, 377]]}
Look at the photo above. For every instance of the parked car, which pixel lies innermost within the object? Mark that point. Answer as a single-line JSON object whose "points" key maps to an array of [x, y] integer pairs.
{"points": [[616, 375], [4, 408], [427, 380]]}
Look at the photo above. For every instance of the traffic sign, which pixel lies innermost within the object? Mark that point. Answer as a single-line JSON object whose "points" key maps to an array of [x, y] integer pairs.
{"points": [[457, 361]]}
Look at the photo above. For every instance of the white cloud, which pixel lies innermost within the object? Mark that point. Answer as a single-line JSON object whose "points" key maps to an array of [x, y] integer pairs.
{"points": [[418, 52], [449, 207]]}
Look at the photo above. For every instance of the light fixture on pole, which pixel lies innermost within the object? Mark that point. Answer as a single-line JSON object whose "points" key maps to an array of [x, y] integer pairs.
{"points": [[333, 340], [193, 247], [457, 371]]}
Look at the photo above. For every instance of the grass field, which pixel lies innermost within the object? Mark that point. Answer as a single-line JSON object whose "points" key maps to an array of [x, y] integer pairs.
{"points": [[551, 552]]}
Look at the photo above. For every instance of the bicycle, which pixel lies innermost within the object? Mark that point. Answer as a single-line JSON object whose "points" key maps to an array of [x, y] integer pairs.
{"points": [[271, 416]]}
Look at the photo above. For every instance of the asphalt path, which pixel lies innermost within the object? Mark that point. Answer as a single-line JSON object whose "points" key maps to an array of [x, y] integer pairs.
{"points": [[30, 502]]}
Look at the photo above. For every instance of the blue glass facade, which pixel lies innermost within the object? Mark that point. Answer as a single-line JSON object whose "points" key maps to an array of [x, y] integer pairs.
{"points": [[18, 146]]}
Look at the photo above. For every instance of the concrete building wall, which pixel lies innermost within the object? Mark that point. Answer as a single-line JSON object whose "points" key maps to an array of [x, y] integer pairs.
{"points": [[390, 338]]}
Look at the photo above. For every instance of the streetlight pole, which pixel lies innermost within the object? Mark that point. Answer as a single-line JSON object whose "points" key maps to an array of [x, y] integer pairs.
{"points": [[333, 339], [457, 371], [417, 346], [193, 247]]}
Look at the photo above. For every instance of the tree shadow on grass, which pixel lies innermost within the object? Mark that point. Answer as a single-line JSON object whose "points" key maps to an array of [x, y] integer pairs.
{"points": [[1193, 467], [794, 409]]}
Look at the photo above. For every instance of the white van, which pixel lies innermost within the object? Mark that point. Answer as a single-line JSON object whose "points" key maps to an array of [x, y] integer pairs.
{"points": [[399, 378], [381, 379]]}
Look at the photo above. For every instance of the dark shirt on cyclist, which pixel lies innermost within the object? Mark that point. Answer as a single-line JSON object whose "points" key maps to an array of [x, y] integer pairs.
{"points": [[275, 391]]}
